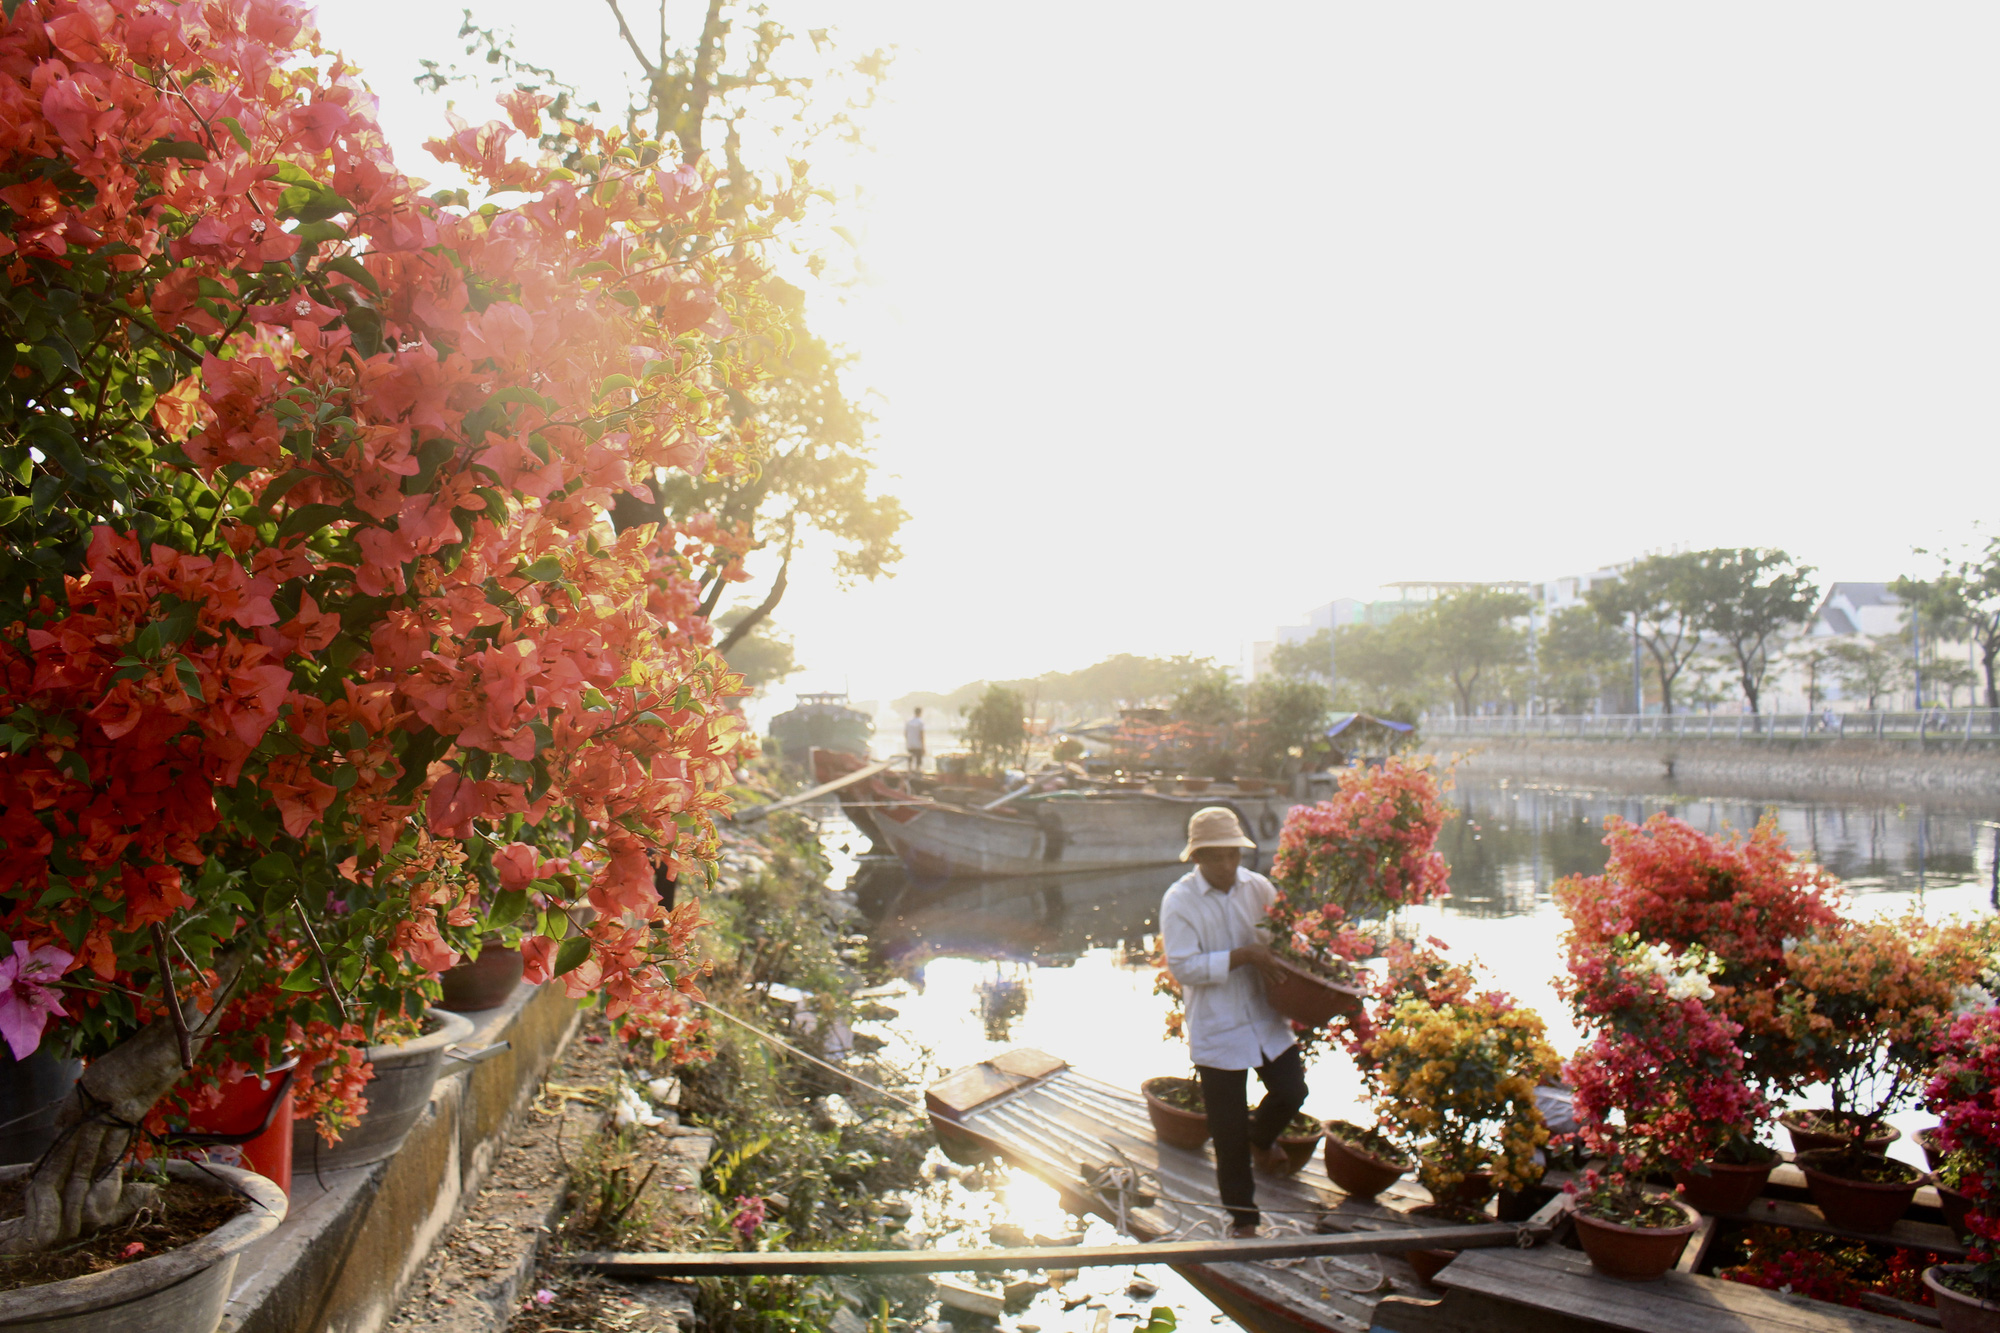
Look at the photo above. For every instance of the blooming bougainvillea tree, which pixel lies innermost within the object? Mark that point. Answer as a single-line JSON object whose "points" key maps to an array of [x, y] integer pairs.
{"points": [[317, 656], [1660, 1084], [1740, 899], [1965, 1092]]}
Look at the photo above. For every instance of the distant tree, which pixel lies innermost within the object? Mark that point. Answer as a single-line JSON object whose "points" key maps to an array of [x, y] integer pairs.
{"points": [[763, 655], [1661, 595], [1964, 599], [1211, 701], [1870, 667], [1304, 660], [1282, 715], [1124, 680], [1581, 658], [995, 728], [1469, 633], [1383, 667], [1747, 599]]}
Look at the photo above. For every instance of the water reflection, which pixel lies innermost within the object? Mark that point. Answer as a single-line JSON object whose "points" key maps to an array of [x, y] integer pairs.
{"points": [[1510, 843]]}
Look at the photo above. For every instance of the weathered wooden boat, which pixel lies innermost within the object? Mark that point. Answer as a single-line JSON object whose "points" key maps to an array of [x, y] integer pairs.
{"points": [[825, 722], [1093, 1143], [1039, 832]]}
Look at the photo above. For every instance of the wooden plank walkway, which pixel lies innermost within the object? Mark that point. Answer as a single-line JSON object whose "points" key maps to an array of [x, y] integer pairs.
{"points": [[1062, 1126]]}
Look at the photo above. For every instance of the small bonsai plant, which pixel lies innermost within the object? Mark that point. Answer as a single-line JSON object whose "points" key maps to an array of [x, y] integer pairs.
{"points": [[1660, 1084], [1452, 1076], [1964, 1091]]}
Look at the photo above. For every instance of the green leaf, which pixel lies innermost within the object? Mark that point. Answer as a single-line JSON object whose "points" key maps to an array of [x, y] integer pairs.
{"points": [[190, 680], [73, 764], [507, 907], [571, 954], [181, 148], [351, 267], [12, 507], [235, 129], [314, 233], [546, 570], [304, 977], [276, 868], [614, 382], [307, 519]]}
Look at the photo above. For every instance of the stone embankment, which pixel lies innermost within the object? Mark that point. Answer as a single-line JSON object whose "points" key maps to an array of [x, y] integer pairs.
{"points": [[1942, 775]]}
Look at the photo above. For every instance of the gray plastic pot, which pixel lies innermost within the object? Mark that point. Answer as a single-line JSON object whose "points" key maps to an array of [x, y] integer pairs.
{"points": [[181, 1291], [396, 1096]]}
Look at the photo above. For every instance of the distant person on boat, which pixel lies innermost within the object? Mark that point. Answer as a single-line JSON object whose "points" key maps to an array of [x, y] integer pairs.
{"points": [[913, 740], [1212, 924]]}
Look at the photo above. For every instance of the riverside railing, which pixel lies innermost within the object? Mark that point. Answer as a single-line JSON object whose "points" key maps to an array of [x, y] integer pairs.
{"points": [[1941, 726]]}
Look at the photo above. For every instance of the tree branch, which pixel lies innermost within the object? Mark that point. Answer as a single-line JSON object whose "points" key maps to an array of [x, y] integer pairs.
{"points": [[652, 70], [763, 608]]}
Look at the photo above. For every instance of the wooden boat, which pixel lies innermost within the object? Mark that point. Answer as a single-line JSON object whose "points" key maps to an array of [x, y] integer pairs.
{"points": [[1037, 833], [822, 721], [1093, 1143]]}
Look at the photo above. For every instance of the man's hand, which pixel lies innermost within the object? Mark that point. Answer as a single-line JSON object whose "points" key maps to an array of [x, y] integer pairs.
{"points": [[1258, 956]]}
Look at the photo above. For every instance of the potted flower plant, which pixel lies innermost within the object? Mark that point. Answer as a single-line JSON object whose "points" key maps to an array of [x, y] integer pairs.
{"points": [[307, 606], [1341, 865], [1965, 1092], [1660, 1084], [1867, 1001], [1453, 1076]]}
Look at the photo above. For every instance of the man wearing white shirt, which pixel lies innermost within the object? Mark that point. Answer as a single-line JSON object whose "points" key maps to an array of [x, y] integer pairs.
{"points": [[913, 740], [1212, 922]]}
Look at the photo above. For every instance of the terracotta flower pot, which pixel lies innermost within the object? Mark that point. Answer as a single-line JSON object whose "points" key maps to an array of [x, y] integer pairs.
{"points": [[180, 1291], [1958, 1312], [1359, 1173], [1471, 1192], [1299, 1149], [1634, 1254], [1175, 1127], [1811, 1138], [1955, 1207], [1429, 1263], [1307, 999], [1858, 1205], [487, 982], [1927, 1143], [1727, 1189]]}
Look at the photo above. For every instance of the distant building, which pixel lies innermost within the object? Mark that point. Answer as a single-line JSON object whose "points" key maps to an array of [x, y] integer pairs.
{"points": [[1858, 608]]}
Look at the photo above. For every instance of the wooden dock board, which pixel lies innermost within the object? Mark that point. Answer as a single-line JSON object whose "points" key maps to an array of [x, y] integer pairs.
{"points": [[1067, 1123], [1557, 1282]]}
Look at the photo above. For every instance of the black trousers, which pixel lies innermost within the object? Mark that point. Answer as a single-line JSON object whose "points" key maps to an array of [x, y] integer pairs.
{"points": [[1223, 1092]]}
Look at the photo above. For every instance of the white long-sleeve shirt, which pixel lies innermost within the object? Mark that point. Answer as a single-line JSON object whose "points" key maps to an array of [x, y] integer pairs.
{"points": [[1230, 1025]]}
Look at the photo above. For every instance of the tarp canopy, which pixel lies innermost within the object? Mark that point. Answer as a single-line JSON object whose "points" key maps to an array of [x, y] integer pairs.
{"points": [[1342, 721]]}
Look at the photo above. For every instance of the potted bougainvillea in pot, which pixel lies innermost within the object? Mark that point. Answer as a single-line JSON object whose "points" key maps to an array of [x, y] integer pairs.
{"points": [[1362, 1161], [1869, 1000], [308, 611], [1964, 1091], [1451, 1072], [1174, 1104], [1342, 866]]}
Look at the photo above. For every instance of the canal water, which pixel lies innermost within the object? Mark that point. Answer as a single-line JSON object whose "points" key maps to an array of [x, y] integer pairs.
{"points": [[1063, 964]]}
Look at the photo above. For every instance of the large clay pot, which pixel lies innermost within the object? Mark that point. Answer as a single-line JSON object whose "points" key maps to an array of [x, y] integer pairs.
{"points": [[1927, 1143], [1429, 1263], [1808, 1139], [1634, 1254], [1307, 999], [1299, 1149], [1472, 1191], [1727, 1189], [1958, 1312], [181, 1291], [487, 982], [1360, 1173], [1858, 1205], [396, 1096], [31, 1092], [1176, 1128], [1955, 1207]]}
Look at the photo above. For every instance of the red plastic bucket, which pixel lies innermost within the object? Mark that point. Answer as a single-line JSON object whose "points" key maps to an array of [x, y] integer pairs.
{"points": [[251, 1126]]}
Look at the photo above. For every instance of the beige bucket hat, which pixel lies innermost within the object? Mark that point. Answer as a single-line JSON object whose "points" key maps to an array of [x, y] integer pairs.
{"points": [[1214, 826]]}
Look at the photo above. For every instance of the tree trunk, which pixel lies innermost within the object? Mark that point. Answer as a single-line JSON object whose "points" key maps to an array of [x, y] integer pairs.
{"points": [[79, 1184]]}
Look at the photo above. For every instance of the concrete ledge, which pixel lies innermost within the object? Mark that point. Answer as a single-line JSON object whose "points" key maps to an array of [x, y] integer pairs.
{"points": [[1807, 770], [354, 1239]]}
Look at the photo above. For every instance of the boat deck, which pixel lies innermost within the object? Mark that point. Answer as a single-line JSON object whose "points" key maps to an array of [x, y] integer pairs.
{"points": [[1094, 1143], [1064, 1127]]}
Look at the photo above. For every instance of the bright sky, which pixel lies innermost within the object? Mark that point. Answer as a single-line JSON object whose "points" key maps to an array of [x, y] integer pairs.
{"points": [[1185, 319]]}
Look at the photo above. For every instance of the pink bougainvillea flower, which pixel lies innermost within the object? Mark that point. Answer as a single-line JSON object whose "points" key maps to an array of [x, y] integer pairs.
{"points": [[28, 996]]}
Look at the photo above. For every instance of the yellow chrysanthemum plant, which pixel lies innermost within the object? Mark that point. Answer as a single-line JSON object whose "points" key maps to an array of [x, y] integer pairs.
{"points": [[1453, 1078]]}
